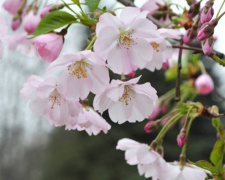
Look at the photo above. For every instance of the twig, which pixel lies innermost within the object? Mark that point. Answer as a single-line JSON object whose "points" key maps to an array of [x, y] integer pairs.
{"points": [[177, 97]]}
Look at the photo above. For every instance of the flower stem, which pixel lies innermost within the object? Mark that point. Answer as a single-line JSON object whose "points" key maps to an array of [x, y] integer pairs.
{"points": [[220, 8], [164, 130], [91, 43], [183, 152]]}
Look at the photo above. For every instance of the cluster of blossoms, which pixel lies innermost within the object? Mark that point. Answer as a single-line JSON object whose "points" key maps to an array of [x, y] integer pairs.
{"points": [[122, 44], [151, 164]]}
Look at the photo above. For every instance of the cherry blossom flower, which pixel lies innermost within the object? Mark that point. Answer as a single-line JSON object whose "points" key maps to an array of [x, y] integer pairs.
{"points": [[49, 46], [126, 101], [188, 172], [149, 162], [31, 21], [22, 44], [12, 6], [82, 72], [162, 50], [91, 122], [122, 40], [46, 101]]}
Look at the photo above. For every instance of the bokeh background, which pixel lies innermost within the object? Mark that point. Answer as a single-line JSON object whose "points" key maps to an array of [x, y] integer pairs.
{"points": [[32, 149]]}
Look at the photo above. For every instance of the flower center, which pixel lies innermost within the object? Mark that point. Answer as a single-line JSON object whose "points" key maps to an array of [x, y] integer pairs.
{"points": [[125, 39], [78, 69], [155, 46], [54, 98], [127, 95]]}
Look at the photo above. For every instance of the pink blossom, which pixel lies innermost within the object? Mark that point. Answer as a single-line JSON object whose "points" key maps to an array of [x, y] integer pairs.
{"points": [[123, 40], [205, 31], [46, 10], [49, 46], [22, 44], [148, 127], [189, 172], [182, 138], [204, 84], [206, 12], [126, 101], [15, 24], [82, 72], [152, 5], [12, 6], [161, 48], [149, 162], [46, 101], [31, 21], [91, 122]]}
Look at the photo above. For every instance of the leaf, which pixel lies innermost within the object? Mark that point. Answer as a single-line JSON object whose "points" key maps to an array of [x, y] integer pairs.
{"points": [[217, 152], [52, 21], [195, 58], [204, 165], [77, 2], [92, 4]]}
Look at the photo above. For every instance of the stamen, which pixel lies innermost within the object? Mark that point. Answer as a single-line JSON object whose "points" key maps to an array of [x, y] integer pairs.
{"points": [[155, 46], [127, 95], [54, 98], [78, 69], [125, 39]]}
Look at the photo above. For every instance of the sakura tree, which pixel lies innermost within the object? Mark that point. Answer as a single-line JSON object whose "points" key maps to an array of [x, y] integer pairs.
{"points": [[123, 41]]}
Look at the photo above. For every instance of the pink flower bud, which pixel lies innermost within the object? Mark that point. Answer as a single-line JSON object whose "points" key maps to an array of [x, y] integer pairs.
{"points": [[46, 10], [206, 30], [155, 112], [206, 12], [15, 24], [49, 46], [31, 22], [152, 126], [204, 84], [148, 127], [194, 10], [131, 74], [189, 36], [166, 65], [12, 6], [182, 138], [207, 46]]}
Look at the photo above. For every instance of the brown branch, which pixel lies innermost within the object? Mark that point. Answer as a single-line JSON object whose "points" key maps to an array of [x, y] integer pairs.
{"points": [[179, 66]]}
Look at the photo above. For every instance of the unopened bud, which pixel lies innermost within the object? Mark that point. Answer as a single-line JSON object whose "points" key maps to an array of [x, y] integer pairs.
{"points": [[166, 64], [194, 10], [151, 126], [207, 12], [206, 30], [15, 24], [207, 46], [131, 74], [182, 138], [47, 10], [189, 36], [204, 84]]}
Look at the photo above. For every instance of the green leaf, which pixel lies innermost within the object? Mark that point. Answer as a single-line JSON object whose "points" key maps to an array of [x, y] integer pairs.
{"points": [[195, 58], [92, 4], [52, 21], [217, 152], [77, 2], [205, 165]]}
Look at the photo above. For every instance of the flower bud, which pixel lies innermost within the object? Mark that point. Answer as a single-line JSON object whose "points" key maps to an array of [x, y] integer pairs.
{"points": [[49, 46], [206, 12], [155, 112], [151, 126], [166, 64], [131, 74], [182, 138], [194, 10], [46, 10], [204, 84], [207, 46], [206, 30], [189, 36], [31, 22], [15, 24]]}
